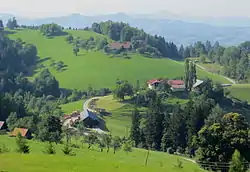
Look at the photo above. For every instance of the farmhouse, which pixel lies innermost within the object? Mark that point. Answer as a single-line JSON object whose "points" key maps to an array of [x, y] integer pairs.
{"points": [[154, 83], [177, 85], [89, 119], [118, 45], [198, 85], [24, 133], [3, 125]]}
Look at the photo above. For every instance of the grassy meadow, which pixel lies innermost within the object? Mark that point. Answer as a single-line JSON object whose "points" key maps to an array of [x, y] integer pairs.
{"points": [[88, 160], [73, 106], [240, 91], [96, 68]]}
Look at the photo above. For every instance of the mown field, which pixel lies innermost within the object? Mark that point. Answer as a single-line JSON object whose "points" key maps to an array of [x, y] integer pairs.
{"points": [[96, 68], [240, 91], [88, 160]]}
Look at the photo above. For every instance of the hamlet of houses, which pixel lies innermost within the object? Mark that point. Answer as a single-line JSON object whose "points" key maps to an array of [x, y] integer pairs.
{"points": [[175, 85]]}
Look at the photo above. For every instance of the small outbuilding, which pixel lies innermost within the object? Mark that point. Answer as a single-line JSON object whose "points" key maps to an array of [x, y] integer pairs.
{"points": [[24, 133], [154, 83]]}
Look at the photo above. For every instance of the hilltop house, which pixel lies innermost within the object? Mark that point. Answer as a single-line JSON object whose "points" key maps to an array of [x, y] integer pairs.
{"points": [[89, 119], [24, 133], [118, 45], [3, 125], [154, 83], [176, 85]]}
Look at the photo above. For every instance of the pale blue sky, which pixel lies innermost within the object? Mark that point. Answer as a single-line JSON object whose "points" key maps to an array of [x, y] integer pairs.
{"points": [[41, 8]]}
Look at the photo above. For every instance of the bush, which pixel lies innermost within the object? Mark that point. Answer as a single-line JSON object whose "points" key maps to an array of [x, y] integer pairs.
{"points": [[67, 150], [22, 146], [178, 164], [3, 148], [50, 149], [127, 146]]}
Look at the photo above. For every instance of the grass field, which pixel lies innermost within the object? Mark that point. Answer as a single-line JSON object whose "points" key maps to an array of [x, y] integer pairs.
{"points": [[74, 106], [240, 91], [96, 68], [88, 160]]}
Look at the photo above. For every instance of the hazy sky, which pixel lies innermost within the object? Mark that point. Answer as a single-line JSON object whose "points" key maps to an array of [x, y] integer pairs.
{"points": [[41, 8]]}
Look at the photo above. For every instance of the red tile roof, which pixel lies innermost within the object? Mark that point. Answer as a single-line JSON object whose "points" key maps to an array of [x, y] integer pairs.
{"points": [[153, 81], [118, 45], [1, 124], [178, 86], [23, 131], [176, 82]]}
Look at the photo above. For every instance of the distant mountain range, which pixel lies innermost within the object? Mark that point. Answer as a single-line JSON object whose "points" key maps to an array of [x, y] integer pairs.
{"points": [[179, 29]]}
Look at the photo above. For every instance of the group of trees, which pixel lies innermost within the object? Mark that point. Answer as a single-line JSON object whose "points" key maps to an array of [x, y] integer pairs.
{"points": [[51, 29], [123, 88], [234, 59], [199, 128], [12, 23], [141, 41], [91, 43]]}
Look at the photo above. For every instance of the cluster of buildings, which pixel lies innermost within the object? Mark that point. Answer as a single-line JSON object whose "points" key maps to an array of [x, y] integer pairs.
{"points": [[175, 85]]}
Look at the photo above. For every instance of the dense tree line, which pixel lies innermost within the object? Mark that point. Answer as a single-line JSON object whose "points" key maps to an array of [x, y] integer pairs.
{"points": [[141, 41], [234, 59]]}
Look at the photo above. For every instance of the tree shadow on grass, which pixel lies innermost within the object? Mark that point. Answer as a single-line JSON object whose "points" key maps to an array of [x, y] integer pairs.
{"points": [[43, 59], [57, 34], [9, 32]]}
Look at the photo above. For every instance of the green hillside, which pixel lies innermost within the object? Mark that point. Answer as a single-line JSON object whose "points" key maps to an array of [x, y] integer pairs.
{"points": [[88, 160], [96, 68]]}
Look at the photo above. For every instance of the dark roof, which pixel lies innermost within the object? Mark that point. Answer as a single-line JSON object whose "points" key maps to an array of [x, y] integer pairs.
{"points": [[1, 124], [23, 131], [85, 114], [118, 45]]}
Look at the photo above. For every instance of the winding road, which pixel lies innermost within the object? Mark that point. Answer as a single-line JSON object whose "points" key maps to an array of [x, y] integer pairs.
{"points": [[229, 79]]}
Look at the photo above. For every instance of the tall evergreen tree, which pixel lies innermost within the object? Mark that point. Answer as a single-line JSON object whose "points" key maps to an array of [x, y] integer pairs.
{"points": [[237, 163], [181, 51], [135, 127], [1, 25], [187, 69]]}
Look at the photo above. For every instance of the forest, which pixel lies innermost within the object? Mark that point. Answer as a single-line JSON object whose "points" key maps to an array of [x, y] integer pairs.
{"points": [[234, 59]]}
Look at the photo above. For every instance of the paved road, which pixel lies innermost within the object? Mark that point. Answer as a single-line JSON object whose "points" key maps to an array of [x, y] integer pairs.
{"points": [[85, 106]]}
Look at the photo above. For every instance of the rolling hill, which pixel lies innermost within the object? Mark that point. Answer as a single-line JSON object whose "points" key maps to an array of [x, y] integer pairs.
{"points": [[95, 68], [87, 160], [180, 29]]}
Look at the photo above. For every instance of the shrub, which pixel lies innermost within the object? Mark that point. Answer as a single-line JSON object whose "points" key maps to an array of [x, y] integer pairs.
{"points": [[178, 164], [22, 146], [3, 148], [50, 149], [67, 150], [127, 146]]}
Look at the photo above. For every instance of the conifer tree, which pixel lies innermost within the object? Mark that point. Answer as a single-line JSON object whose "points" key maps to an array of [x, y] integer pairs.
{"points": [[135, 128]]}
